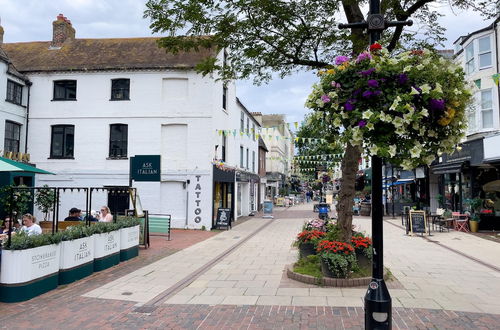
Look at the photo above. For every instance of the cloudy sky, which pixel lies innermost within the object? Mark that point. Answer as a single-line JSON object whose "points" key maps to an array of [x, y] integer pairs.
{"points": [[31, 20]]}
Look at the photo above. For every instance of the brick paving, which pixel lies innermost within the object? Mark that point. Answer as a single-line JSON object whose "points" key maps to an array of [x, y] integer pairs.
{"points": [[66, 308]]}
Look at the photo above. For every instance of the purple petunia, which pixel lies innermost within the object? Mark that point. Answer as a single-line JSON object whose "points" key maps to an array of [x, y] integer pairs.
{"points": [[363, 56], [368, 72], [436, 104], [341, 59], [336, 84], [325, 98], [377, 93], [356, 92], [349, 105], [362, 123], [372, 83], [367, 94], [402, 79]]}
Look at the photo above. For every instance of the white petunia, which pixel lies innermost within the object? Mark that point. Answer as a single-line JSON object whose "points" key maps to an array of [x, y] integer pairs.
{"points": [[438, 88], [370, 126], [398, 122], [424, 113], [337, 122], [392, 150], [425, 88], [373, 150], [414, 91], [415, 151], [367, 114]]}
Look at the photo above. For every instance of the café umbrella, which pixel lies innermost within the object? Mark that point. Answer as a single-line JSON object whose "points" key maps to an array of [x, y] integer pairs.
{"points": [[492, 186], [9, 165]]}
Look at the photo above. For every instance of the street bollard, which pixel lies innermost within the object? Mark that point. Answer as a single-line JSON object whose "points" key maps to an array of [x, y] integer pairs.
{"points": [[378, 306]]}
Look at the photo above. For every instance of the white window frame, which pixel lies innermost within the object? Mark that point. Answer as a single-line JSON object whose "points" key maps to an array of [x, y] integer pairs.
{"points": [[469, 61], [483, 110], [479, 53]]}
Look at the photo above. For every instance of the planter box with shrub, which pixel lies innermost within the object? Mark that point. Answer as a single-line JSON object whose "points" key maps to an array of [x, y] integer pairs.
{"points": [[106, 245], [129, 238], [30, 266], [77, 254]]}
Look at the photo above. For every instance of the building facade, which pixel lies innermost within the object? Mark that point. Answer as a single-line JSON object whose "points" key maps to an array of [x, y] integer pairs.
{"points": [[95, 103]]}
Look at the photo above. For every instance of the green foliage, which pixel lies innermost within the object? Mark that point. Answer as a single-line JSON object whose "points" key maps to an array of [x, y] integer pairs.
{"points": [[126, 222], [76, 232], [340, 265], [45, 200], [333, 232], [104, 227], [264, 37], [310, 265], [20, 202], [21, 240]]}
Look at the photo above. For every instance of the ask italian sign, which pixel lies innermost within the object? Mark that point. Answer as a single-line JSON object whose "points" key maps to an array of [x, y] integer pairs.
{"points": [[145, 168]]}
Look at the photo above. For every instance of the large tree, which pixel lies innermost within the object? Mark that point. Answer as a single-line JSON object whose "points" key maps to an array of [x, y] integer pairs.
{"points": [[264, 37]]}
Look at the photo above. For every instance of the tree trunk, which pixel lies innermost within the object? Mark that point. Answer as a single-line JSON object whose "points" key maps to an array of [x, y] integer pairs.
{"points": [[346, 195]]}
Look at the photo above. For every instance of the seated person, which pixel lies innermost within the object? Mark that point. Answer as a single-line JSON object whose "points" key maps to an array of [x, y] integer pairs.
{"points": [[92, 216], [105, 215], [30, 227], [74, 215], [8, 222]]}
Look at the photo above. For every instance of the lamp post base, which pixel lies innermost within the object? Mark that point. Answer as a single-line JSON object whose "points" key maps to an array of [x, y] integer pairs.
{"points": [[378, 306]]}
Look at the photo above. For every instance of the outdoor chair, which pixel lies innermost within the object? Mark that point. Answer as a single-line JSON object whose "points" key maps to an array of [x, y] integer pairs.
{"points": [[460, 222]]}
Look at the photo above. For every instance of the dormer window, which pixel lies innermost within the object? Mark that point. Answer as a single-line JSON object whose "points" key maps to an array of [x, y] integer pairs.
{"points": [[120, 89]]}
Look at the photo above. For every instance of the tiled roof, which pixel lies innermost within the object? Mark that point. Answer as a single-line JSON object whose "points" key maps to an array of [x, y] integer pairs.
{"points": [[3, 56], [99, 54]]}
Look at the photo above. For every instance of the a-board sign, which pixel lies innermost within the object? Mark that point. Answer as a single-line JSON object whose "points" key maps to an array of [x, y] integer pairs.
{"points": [[417, 222], [223, 218]]}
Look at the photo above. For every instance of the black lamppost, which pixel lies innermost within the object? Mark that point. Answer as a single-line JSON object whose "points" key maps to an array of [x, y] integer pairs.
{"points": [[378, 306]]}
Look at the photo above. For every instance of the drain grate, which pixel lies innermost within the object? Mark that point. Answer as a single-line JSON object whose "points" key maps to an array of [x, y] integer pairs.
{"points": [[145, 309]]}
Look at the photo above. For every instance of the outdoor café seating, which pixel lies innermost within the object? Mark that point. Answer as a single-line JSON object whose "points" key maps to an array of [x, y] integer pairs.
{"points": [[460, 222]]}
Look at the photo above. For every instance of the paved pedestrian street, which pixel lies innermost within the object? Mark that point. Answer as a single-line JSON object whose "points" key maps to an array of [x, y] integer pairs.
{"points": [[236, 280]]}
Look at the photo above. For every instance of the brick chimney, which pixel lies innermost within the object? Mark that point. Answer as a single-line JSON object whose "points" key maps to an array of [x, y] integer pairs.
{"points": [[61, 31]]}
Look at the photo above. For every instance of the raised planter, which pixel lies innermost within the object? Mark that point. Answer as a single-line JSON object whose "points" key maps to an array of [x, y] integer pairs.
{"points": [[306, 249], [106, 250], [129, 242], [77, 259], [328, 281], [29, 273]]}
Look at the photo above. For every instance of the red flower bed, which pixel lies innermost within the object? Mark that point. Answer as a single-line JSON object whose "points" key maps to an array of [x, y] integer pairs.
{"points": [[306, 236], [375, 46], [334, 247], [360, 242]]}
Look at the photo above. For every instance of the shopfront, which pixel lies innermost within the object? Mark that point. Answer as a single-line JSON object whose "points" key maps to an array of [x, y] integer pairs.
{"points": [[489, 181], [223, 191], [459, 176], [246, 187]]}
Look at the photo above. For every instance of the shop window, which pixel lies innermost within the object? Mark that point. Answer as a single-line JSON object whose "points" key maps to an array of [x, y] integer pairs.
{"points": [[486, 108], [64, 90], [253, 132], [120, 89], [62, 141], [253, 161], [14, 92], [224, 97], [12, 136], [223, 156], [242, 121], [484, 52], [118, 139]]}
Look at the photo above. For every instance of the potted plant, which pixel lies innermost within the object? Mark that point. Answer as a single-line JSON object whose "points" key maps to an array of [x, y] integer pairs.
{"points": [[30, 266], [45, 200], [306, 241], [106, 245], [77, 254], [17, 202], [475, 204], [337, 258], [363, 249], [129, 237]]}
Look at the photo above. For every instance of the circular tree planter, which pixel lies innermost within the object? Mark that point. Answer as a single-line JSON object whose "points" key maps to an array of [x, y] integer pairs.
{"points": [[328, 281]]}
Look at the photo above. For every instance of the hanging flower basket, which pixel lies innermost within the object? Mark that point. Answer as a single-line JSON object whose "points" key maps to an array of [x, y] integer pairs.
{"points": [[406, 108]]}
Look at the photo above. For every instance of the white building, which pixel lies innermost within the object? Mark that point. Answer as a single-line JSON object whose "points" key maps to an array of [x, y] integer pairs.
{"points": [[13, 108], [97, 102]]}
